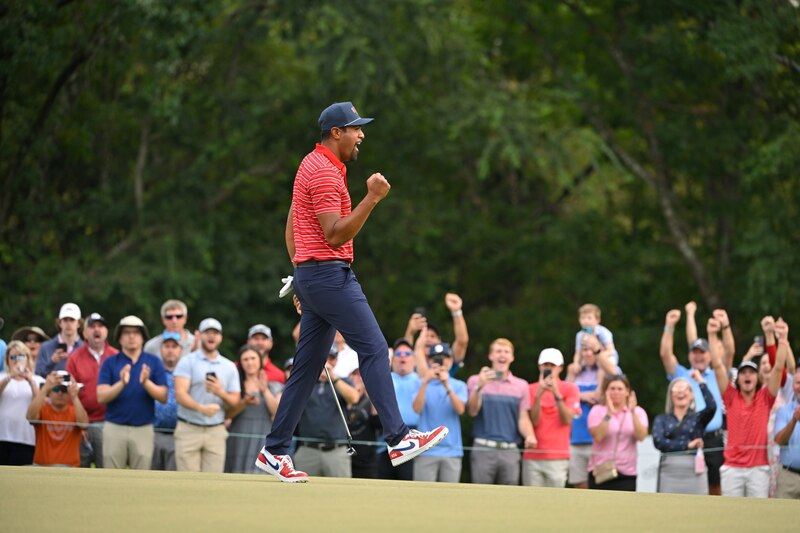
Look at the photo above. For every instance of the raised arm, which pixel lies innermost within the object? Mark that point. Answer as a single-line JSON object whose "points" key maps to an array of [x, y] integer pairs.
{"points": [[668, 358], [728, 343], [36, 405], [340, 230], [715, 348], [420, 361], [455, 305], [691, 322], [782, 336]]}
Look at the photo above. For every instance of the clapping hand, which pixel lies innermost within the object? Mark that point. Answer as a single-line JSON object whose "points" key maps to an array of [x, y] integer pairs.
{"points": [[125, 374], [144, 375]]}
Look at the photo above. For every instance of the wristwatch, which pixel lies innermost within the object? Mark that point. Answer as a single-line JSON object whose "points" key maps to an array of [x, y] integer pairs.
{"points": [[607, 418]]}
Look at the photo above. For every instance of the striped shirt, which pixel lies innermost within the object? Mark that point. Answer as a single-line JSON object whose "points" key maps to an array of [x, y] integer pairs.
{"points": [[319, 187]]}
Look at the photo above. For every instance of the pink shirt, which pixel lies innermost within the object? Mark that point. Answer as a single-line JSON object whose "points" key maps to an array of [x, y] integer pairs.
{"points": [[626, 448], [552, 434]]}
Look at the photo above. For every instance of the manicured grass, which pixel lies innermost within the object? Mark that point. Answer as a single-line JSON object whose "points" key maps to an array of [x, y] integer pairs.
{"points": [[63, 500]]}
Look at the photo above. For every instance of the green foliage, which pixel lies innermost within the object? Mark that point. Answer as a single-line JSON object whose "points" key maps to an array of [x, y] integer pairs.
{"points": [[507, 129]]}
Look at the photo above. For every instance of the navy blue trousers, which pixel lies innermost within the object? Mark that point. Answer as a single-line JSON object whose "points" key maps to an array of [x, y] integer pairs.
{"points": [[332, 299]]}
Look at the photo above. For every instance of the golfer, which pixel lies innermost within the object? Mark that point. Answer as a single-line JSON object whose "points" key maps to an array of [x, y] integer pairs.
{"points": [[319, 238]]}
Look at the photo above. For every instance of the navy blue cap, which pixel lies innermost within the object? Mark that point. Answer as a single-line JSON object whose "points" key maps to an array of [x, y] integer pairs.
{"points": [[441, 348], [340, 115]]}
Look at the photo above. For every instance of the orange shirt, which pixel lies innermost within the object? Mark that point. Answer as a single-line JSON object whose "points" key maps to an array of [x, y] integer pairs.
{"points": [[57, 444]]}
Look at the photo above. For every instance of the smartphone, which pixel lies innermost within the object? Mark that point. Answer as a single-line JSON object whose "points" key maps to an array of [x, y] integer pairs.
{"points": [[438, 359], [546, 373], [759, 339], [211, 375], [498, 374], [420, 311], [61, 346]]}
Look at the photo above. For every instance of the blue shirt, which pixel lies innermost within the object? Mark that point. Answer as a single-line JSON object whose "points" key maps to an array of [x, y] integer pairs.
{"points": [[3, 347], [605, 337], [711, 380], [134, 406], [790, 454], [195, 366], [167, 413], [406, 389], [439, 412], [44, 362], [580, 426]]}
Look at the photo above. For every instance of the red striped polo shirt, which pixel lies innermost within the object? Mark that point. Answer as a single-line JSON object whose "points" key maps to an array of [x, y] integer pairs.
{"points": [[320, 186]]}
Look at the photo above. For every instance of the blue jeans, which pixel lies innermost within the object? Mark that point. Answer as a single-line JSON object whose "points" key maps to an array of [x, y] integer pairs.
{"points": [[332, 299]]}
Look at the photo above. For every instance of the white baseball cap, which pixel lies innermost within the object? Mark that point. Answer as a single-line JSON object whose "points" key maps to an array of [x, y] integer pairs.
{"points": [[551, 355], [70, 310], [260, 328], [210, 323]]}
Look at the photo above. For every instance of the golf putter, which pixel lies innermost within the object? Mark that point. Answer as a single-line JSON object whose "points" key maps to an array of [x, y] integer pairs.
{"points": [[350, 450]]}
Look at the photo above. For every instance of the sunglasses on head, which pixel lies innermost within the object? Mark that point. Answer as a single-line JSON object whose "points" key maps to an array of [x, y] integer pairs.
{"points": [[174, 317], [403, 353]]}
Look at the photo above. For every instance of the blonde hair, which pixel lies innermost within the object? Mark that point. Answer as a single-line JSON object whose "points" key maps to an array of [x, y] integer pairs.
{"points": [[20, 347], [589, 308], [502, 342], [669, 407], [173, 304]]}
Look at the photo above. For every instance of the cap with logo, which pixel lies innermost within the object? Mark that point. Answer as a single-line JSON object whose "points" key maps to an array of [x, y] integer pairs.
{"points": [[341, 115], [260, 328], [699, 344], [130, 321], [70, 310], [552, 356], [752, 365], [210, 323], [96, 317], [441, 348]]}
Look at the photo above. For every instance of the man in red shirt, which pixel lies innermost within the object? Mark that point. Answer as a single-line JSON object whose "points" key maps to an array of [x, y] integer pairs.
{"points": [[554, 403], [83, 365], [319, 238], [260, 338], [747, 405]]}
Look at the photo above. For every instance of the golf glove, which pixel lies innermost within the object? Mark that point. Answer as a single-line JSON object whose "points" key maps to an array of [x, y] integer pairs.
{"points": [[287, 286]]}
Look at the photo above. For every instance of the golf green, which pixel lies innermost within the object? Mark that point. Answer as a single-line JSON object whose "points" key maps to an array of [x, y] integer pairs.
{"points": [[63, 500]]}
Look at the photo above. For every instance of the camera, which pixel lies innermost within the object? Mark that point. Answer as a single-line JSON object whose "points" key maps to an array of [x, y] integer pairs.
{"points": [[438, 360], [64, 375]]}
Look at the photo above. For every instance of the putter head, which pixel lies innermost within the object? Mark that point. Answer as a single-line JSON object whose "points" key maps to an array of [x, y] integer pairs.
{"points": [[351, 451]]}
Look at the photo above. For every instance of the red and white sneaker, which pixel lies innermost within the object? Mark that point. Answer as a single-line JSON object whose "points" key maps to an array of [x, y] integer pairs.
{"points": [[280, 466], [415, 443]]}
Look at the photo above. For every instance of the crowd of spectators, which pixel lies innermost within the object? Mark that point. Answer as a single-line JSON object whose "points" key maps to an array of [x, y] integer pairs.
{"points": [[172, 401]]}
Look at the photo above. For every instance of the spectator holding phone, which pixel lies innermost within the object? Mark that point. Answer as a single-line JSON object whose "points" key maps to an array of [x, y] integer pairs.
{"points": [[616, 426], [129, 384], [53, 354], [747, 404], [554, 404], [678, 434], [418, 321], [699, 359], [253, 413], [18, 388], [58, 436], [500, 404], [440, 401], [84, 367], [787, 435], [206, 383]]}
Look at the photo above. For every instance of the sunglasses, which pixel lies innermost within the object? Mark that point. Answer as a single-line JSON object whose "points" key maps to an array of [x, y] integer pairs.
{"points": [[403, 353], [60, 388], [17, 357], [33, 339], [173, 317]]}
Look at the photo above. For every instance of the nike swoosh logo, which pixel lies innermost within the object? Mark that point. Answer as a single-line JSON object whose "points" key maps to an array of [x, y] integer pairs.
{"points": [[410, 446], [276, 466]]}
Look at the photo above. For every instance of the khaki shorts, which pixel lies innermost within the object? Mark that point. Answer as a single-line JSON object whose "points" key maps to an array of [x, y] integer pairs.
{"points": [[579, 455]]}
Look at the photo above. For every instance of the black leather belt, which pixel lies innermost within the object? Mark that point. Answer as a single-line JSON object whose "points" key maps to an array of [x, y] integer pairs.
{"points": [[323, 446], [313, 263], [792, 470], [199, 425]]}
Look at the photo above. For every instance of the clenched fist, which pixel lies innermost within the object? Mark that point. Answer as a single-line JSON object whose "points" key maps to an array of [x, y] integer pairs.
{"points": [[378, 186], [673, 316]]}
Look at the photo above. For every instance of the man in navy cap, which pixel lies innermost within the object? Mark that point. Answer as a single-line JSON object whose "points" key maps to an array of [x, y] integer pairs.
{"points": [[319, 238]]}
